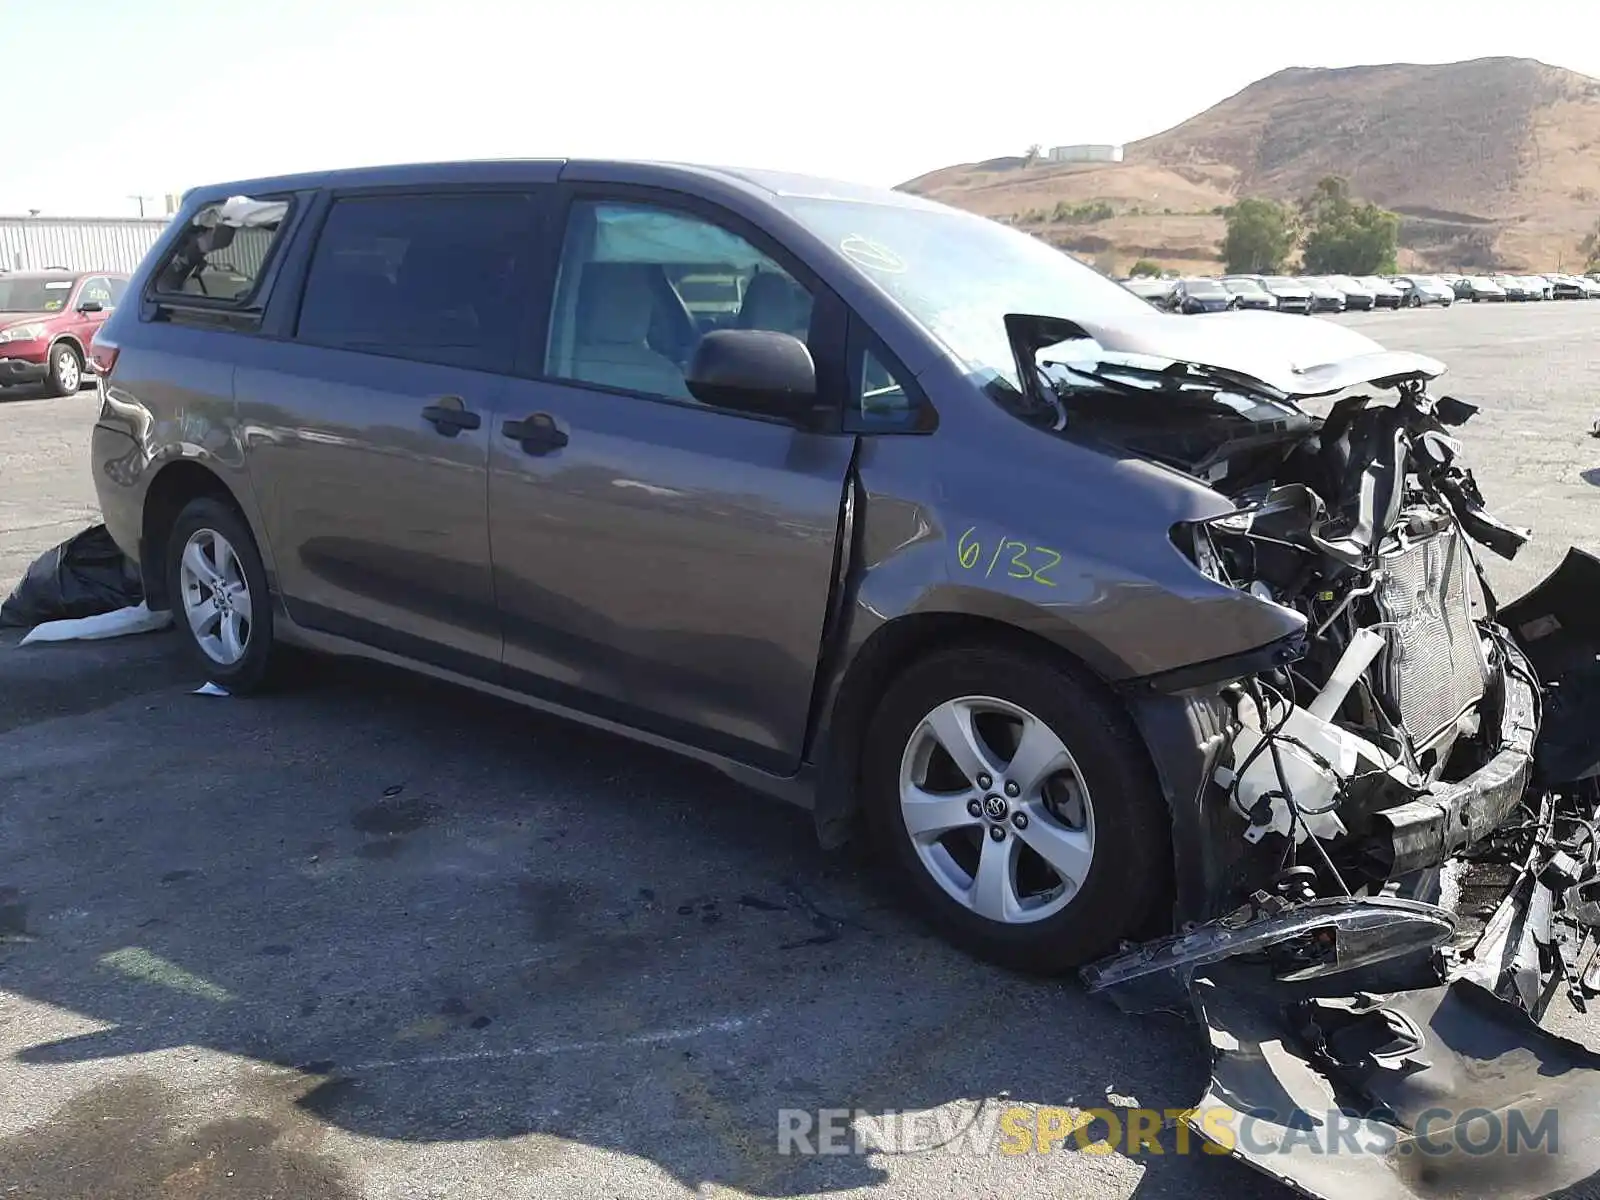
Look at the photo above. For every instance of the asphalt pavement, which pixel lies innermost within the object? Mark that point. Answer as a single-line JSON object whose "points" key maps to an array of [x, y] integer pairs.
{"points": [[377, 937]]}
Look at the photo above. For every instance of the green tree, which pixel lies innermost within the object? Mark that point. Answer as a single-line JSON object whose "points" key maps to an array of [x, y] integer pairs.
{"points": [[1033, 154], [1145, 267], [1344, 237], [1260, 236], [1590, 249]]}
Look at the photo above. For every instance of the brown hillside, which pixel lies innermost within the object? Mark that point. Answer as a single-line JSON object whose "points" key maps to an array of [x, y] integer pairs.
{"points": [[1490, 162]]}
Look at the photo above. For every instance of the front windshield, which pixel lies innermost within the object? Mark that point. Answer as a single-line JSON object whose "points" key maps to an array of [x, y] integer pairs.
{"points": [[1345, 282], [959, 275], [34, 295], [1242, 286], [1203, 287]]}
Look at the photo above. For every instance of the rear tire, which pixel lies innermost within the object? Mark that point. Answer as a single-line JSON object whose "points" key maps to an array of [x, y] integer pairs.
{"points": [[217, 587], [1098, 813], [65, 376]]}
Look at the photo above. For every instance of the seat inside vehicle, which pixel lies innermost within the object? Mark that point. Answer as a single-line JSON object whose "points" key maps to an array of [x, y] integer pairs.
{"points": [[616, 305], [776, 302]]}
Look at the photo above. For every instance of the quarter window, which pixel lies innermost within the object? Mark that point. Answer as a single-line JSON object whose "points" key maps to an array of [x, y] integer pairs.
{"points": [[421, 277], [224, 250], [884, 402], [639, 285]]}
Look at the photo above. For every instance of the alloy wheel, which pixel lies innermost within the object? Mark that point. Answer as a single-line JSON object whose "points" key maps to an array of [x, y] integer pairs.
{"points": [[996, 809], [67, 370], [216, 597]]}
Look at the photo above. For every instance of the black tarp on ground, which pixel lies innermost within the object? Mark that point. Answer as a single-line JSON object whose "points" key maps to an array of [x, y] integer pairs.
{"points": [[85, 575]]}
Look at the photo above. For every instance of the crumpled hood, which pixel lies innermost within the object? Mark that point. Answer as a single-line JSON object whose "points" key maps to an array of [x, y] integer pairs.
{"points": [[1299, 357]]}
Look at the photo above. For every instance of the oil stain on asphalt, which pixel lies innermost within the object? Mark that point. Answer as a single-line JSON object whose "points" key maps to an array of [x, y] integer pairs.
{"points": [[394, 816], [126, 1140]]}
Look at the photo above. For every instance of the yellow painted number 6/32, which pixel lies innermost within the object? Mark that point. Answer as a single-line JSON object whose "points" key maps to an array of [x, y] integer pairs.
{"points": [[1025, 561]]}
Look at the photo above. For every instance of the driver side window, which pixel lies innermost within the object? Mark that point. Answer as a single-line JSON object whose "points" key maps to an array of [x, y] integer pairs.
{"points": [[638, 286]]}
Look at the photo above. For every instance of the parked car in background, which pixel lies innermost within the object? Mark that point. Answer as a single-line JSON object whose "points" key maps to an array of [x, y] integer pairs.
{"points": [[1356, 297], [1441, 288], [1249, 291], [1199, 295], [47, 319], [1563, 287], [1157, 291], [1384, 293], [1419, 290], [1591, 287], [1325, 297], [1461, 285], [1518, 288], [1484, 288], [1409, 296], [1538, 286], [1292, 297]]}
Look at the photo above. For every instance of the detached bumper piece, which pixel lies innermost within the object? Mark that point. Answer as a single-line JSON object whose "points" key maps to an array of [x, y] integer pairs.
{"points": [[1443, 1091]]}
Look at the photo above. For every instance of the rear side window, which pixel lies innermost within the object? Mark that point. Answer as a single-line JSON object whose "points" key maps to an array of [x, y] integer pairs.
{"points": [[423, 277], [224, 251]]}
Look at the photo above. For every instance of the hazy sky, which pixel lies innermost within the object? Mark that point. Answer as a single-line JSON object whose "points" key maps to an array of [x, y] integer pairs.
{"points": [[109, 98]]}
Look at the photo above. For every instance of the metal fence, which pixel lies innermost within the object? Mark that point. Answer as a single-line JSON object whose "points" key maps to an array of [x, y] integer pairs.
{"points": [[77, 243]]}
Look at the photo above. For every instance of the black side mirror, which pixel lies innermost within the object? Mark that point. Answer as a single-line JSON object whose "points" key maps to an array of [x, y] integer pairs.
{"points": [[91, 306], [754, 371]]}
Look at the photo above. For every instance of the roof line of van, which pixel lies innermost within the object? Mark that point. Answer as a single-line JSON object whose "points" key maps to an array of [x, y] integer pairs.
{"points": [[513, 170]]}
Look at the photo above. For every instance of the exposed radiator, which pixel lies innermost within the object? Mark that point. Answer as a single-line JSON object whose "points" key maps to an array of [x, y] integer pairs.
{"points": [[1434, 668]]}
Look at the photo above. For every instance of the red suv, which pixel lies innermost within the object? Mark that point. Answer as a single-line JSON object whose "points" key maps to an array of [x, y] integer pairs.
{"points": [[47, 320]]}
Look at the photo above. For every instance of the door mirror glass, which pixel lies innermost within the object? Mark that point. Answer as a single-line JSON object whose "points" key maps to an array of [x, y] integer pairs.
{"points": [[755, 371]]}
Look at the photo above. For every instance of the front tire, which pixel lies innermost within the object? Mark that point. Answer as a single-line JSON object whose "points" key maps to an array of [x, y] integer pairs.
{"points": [[217, 586], [66, 371], [1016, 808]]}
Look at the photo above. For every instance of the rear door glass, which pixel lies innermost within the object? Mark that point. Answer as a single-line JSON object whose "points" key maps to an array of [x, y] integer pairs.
{"points": [[427, 277]]}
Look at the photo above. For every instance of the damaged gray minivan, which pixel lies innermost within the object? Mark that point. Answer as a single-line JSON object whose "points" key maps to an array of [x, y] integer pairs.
{"points": [[1076, 606]]}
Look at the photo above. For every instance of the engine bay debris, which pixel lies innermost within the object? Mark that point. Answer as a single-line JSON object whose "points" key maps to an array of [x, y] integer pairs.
{"points": [[1417, 735]]}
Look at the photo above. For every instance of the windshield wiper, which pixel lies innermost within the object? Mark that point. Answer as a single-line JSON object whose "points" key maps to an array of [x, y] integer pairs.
{"points": [[1175, 378]]}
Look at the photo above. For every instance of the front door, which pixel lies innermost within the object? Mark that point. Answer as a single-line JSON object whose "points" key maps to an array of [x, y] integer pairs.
{"points": [[657, 561], [367, 434], [94, 290]]}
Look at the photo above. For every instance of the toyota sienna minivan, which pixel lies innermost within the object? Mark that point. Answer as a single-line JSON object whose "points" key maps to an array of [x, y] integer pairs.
{"points": [[906, 516]]}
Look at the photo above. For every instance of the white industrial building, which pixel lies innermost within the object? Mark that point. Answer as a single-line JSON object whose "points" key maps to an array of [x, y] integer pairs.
{"points": [[1085, 153], [76, 243]]}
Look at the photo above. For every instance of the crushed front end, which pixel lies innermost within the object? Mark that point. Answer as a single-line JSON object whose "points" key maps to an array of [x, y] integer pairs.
{"points": [[1331, 795]]}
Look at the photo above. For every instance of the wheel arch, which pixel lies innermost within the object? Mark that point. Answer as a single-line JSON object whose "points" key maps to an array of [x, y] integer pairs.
{"points": [[888, 652], [68, 339], [173, 487]]}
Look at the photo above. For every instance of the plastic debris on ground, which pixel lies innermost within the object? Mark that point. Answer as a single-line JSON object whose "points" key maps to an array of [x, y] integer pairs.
{"points": [[120, 623], [84, 576], [211, 689]]}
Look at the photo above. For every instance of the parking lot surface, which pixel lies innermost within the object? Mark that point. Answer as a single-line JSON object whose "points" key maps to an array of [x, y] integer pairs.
{"points": [[376, 937]]}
